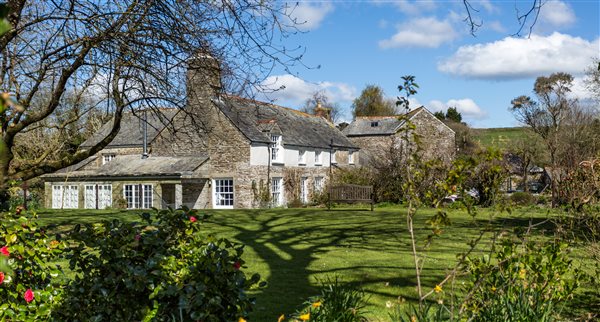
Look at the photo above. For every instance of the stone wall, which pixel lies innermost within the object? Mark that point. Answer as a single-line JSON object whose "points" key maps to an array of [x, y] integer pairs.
{"points": [[437, 140]]}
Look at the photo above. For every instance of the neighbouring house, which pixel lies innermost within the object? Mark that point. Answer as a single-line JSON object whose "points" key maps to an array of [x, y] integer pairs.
{"points": [[537, 179], [376, 135], [220, 151]]}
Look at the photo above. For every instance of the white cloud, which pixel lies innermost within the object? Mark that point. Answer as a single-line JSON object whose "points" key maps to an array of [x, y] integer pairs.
{"points": [[555, 14], [496, 26], [488, 6], [308, 16], [415, 7], [293, 90], [466, 106], [579, 89], [514, 58], [421, 32]]}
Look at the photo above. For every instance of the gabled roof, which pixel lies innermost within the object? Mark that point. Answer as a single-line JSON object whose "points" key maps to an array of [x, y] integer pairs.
{"points": [[254, 118], [135, 166], [378, 125], [131, 133]]}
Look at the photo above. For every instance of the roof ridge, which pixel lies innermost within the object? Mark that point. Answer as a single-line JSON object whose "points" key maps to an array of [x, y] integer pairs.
{"points": [[271, 105]]}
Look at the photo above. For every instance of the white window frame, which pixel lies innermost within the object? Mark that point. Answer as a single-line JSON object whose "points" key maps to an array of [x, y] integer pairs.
{"points": [[138, 195], [106, 158], [223, 191], [62, 200], [350, 157], [318, 184], [304, 189], [277, 191], [276, 149], [104, 192], [318, 158], [301, 157], [333, 157]]}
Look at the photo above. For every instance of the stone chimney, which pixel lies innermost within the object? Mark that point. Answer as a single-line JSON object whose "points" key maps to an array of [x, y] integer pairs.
{"points": [[203, 76], [323, 112]]}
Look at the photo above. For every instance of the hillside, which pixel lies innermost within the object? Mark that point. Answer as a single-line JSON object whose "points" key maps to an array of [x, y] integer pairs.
{"points": [[499, 137]]}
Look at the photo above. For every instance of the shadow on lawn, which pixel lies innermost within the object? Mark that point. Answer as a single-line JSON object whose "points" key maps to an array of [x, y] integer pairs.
{"points": [[289, 242]]}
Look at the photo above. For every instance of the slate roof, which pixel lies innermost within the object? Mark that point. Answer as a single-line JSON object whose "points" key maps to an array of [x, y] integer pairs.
{"points": [[298, 128], [131, 132], [386, 125], [135, 166]]}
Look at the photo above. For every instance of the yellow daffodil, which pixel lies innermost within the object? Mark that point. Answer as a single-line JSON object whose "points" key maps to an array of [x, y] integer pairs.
{"points": [[242, 320], [413, 319], [305, 317], [281, 318], [522, 273], [493, 289], [437, 289], [316, 304]]}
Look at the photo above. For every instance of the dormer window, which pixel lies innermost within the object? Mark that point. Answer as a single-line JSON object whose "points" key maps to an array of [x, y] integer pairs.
{"points": [[106, 158], [276, 149], [374, 123]]}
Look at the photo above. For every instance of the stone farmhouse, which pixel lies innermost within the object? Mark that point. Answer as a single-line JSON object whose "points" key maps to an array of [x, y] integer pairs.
{"points": [[219, 151], [375, 135]]}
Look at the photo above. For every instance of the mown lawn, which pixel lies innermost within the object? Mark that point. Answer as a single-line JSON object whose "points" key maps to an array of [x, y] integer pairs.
{"points": [[293, 249]]}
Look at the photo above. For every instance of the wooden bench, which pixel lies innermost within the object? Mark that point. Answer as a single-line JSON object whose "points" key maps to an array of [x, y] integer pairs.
{"points": [[351, 193]]}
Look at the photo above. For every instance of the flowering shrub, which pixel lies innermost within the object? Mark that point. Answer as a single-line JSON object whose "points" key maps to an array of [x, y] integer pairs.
{"points": [[337, 303], [161, 269], [29, 289], [526, 282]]}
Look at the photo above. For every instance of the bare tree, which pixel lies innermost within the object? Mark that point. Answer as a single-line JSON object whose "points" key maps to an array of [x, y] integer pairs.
{"points": [[548, 116], [526, 17], [320, 98], [123, 55]]}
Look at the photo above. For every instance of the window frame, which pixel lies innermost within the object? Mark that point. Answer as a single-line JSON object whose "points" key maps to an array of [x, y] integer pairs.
{"points": [[276, 148], [301, 157], [142, 195], [277, 191], [104, 191], [318, 184], [106, 158], [318, 157], [218, 201], [65, 202], [304, 189], [350, 157]]}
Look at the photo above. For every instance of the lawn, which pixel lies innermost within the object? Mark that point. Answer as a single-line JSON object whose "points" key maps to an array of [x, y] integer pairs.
{"points": [[293, 249]]}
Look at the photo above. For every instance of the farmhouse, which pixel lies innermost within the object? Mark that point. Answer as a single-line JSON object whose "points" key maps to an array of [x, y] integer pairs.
{"points": [[220, 151], [376, 135]]}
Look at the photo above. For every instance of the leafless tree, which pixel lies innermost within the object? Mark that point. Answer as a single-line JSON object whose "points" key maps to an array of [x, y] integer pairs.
{"points": [[321, 98], [526, 17], [120, 56]]}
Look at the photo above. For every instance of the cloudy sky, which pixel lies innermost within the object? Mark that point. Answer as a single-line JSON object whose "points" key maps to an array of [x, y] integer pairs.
{"points": [[353, 43]]}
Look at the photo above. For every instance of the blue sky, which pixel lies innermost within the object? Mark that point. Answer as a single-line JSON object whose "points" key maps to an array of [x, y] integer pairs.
{"points": [[356, 43]]}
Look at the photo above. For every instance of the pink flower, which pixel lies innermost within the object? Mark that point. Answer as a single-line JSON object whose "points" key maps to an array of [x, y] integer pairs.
{"points": [[1, 277], [28, 295], [138, 237], [237, 266], [4, 251], [193, 219]]}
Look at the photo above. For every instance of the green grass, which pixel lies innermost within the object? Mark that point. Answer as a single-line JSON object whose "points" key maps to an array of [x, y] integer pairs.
{"points": [[293, 249], [500, 138]]}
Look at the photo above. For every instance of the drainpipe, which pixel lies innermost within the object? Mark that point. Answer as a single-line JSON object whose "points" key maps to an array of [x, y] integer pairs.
{"points": [[330, 175], [269, 173], [145, 135]]}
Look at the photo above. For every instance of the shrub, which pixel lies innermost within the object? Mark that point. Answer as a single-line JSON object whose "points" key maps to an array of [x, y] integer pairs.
{"points": [[521, 283], [160, 269], [521, 198], [337, 303], [29, 288]]}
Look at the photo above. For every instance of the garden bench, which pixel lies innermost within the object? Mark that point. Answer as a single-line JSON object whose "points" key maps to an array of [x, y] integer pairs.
{"points": [[351, 193]]}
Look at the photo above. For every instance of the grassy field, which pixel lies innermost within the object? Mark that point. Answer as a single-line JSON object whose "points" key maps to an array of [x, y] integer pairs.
{"points": [[293, 249], [500, 138]]}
